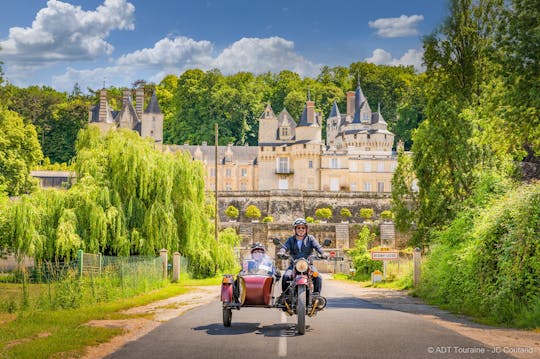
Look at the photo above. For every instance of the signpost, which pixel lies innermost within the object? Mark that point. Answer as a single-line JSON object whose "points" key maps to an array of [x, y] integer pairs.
{"points": [[385, 254]]}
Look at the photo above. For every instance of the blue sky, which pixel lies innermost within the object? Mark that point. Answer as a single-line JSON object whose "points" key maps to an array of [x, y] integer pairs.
{"points": [[58, 43]]}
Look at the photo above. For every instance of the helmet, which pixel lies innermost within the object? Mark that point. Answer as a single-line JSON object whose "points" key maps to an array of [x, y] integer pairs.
{"points": [[299, 221], [258, 246]]}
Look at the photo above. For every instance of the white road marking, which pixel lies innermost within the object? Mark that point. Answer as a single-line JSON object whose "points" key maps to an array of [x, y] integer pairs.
{"points": [[282, 345]]}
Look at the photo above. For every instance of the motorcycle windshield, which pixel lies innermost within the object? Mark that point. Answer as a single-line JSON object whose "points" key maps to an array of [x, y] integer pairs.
{"points": [[264, 266]]}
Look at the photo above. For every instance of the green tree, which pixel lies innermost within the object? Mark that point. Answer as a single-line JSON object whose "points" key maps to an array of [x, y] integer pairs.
{"points": [[445, 156], [404, 201], [361, 257], [19, 153]]}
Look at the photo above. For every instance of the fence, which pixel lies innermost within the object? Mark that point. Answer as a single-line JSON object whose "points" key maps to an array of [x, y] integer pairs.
{"points": [[92, 278]]}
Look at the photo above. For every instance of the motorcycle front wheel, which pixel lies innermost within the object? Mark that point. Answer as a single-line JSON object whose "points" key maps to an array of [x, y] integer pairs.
{"points": [[227, 317], [301, 310]]}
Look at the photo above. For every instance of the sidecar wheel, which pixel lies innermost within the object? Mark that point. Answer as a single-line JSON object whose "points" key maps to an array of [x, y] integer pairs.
{"points": [[301, 310], [227, 317]]}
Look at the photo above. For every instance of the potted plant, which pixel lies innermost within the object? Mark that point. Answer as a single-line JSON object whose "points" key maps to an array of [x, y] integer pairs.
{"points": [[366, 214], [232, 213], [387, 216], [324, 214], [268, 219], [346, 214], [310, 219], [253, 212]]}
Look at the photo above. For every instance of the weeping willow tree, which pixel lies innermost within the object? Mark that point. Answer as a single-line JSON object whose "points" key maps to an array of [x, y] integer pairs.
{"points": [[129, 199]]}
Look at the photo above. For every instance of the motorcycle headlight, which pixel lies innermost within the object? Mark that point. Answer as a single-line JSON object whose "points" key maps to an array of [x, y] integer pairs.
{"points": [[301, 266]]}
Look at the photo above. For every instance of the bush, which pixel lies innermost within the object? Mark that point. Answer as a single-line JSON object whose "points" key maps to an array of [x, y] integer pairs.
{"points": [[324, 213], [361, 257], [345, 213], [310, 219], [232, 212], [387, 215], [366, 213], [253, 212], [268, 219]]}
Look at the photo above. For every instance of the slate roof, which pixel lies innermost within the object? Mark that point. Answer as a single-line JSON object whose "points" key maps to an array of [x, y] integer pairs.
{"points": [[242, 154], [153, 105]]}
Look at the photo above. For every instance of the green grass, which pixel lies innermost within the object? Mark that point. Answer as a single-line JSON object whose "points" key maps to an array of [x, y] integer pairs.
{"points": [[62, 333]]}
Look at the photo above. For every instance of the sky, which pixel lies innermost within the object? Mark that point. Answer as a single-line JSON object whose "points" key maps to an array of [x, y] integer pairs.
{"points": [[116, 42]]}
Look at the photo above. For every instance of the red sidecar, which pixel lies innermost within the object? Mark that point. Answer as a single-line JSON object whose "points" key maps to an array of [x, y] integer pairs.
{"points": [[253, 287]]}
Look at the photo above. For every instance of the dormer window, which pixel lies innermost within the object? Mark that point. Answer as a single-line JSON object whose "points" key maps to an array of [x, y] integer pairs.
{"points": [[284, 132]]}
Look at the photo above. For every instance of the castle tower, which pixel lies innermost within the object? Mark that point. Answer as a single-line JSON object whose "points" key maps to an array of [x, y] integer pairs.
{"points": [[152, 119]]}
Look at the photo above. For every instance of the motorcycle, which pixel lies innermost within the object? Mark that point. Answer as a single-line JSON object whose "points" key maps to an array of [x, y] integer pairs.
{"points": [[254, 287]]}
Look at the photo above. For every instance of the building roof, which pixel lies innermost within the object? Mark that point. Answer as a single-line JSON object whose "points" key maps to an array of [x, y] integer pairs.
{"points": [[243, 154], [268, 113], [334, 112], [153, 105]]}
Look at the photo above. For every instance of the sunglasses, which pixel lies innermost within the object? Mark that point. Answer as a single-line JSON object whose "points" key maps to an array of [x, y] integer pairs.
{"points": [[304, 228]]}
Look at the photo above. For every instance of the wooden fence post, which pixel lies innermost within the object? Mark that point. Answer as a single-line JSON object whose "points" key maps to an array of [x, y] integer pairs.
{"points": [[80, 254], [417, 264], [176, 267], [163, 255]]}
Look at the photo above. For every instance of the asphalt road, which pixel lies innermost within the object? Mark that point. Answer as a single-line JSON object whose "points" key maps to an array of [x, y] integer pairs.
{"points": [[348, 328]]}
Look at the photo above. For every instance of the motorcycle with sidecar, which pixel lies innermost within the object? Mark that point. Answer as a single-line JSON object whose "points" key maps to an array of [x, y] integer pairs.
{"points": [[254, 287]]}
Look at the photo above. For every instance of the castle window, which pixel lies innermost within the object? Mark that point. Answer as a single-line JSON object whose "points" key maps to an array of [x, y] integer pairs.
{"points": [[334, 163], [228, 172], [284, 148], [353, 186], [355, 136], [283, 165], [310, 164], [368, 136], [273, 148], [244, 172], [212, 172], [284, 132], [228, 187], [367, 186], [380, 167], [380, 186], [367, 167], [305, 146], [262, 148], [243, 186]]}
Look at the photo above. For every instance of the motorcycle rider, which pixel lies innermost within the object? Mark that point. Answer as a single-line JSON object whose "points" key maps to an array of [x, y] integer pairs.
{"points": [[301, 245]]}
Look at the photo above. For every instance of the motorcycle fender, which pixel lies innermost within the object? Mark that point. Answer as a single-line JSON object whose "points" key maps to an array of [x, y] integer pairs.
{"points": [[227, 289], [301, 280]]}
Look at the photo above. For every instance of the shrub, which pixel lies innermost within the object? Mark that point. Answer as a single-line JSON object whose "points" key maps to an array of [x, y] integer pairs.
{"points": [[310, 219], [253, 212], [366, 213], [361, 257], [324, 213], [232, 212], [345, 213], [268, 219], [387, 215]]}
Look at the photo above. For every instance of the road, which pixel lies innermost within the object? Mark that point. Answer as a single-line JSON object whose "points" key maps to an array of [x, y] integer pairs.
{"points": [[348, 328]]}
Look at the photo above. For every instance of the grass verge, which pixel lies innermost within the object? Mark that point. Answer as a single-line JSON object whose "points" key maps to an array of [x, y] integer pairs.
{"points": [[62, 333], [399, 283]]}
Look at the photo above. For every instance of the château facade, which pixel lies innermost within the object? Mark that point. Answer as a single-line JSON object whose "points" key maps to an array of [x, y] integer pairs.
{"points": [[356, 155]]}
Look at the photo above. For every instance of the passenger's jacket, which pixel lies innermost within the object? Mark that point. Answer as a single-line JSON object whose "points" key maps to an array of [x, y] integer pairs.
{"points": [[309, 244]]}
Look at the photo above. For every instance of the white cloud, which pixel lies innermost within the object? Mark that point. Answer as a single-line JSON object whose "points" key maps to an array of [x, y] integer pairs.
{"points": [[63, 32], [261, 55], [397, 26], [175, 55], [411, 57]]}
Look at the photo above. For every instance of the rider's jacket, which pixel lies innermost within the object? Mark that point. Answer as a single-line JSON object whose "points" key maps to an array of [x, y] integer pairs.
{"points": [[309, 244]]}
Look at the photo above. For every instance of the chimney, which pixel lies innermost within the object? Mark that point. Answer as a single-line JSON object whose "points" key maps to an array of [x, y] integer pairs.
{"points": [[310, 106], [350, 103], [103, 105], [139, 101], [125, 96]]}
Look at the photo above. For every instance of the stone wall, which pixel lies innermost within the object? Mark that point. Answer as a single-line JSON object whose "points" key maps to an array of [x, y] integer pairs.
{"points": [[285, 206]]}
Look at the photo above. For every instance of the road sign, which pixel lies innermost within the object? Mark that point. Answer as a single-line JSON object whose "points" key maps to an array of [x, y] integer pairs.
{"points": [[332, 254], [385, 255]]}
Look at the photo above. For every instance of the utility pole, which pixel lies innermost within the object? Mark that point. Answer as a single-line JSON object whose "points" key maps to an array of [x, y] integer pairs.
{"points": [[216, 182]]}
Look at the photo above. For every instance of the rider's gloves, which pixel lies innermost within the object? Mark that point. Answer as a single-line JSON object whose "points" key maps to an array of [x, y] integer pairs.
{"points": [[324, 256]]}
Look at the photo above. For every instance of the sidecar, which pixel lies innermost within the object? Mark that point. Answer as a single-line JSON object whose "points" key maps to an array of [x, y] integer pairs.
{"points": [[252, 287]]}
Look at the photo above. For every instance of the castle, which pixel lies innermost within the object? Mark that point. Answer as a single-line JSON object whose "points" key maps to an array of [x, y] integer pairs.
{"points": [[357, 155], [148, 123]]}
